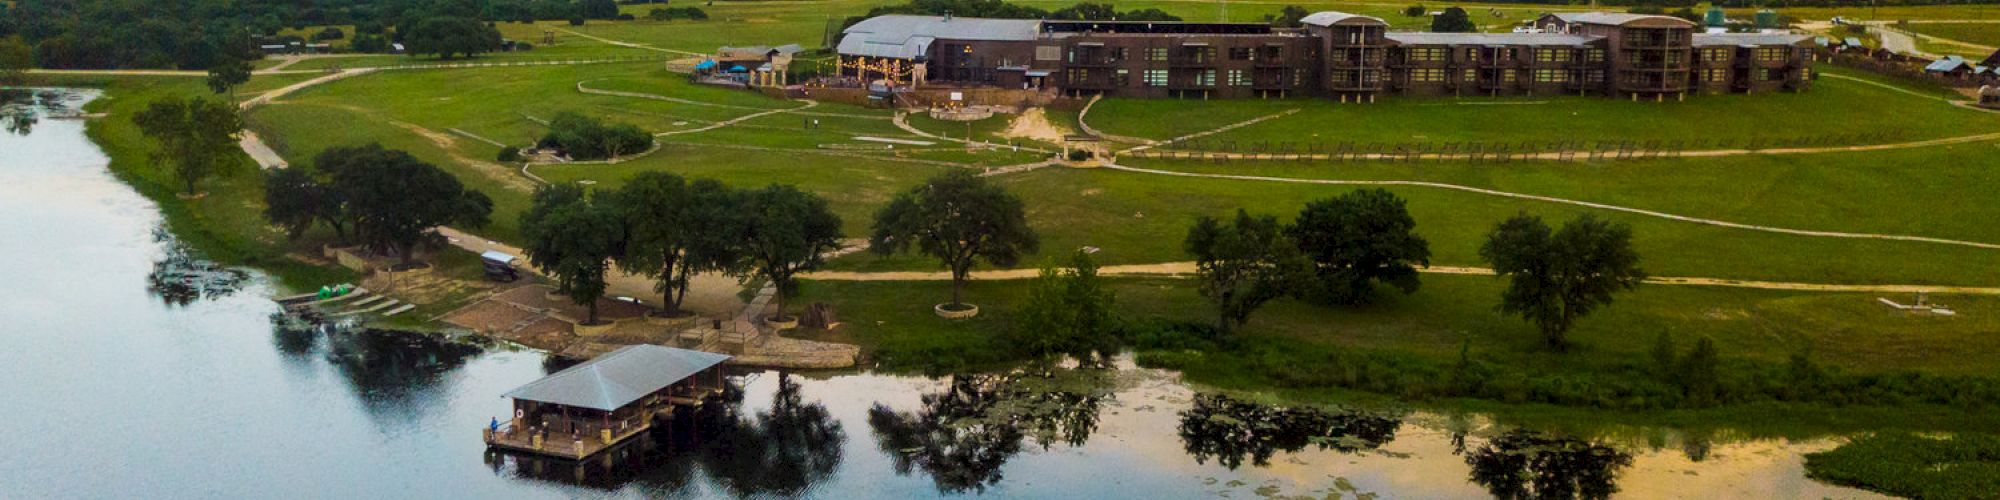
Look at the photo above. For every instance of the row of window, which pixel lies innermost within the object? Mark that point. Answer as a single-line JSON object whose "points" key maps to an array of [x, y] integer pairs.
{"points": [[1438, 54], [1159, 77]]}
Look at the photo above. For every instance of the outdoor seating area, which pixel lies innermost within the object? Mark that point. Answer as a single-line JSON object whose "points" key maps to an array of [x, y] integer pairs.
{"points": [[590, 407]]}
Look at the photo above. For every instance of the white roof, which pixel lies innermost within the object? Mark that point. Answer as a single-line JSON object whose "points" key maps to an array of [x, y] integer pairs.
{"points": [[1328, 18], [618, 377], [907, 37]]}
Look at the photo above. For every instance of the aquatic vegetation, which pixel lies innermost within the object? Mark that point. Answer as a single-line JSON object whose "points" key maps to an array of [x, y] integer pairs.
{"points": [[1915, 465]]}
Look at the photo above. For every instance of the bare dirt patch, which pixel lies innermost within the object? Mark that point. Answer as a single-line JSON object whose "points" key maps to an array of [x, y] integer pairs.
{"points": [[503, 175], [1033, 124]]}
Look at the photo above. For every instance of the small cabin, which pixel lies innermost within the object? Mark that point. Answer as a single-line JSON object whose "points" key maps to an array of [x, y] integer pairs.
{"points": [[590, 407]]}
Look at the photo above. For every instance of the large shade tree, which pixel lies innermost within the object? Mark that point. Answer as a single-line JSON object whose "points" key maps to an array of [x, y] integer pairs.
{"points": [[396, 201], [1243, 264], [295, 200], [574, 237], [676, 229], [195, 138], [450, 36], [1356, 240], [1555, 277], [786, 232], [960, 219]]}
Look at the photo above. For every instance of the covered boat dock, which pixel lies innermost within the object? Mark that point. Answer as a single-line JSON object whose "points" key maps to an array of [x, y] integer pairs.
{"points": [[590, 407]]}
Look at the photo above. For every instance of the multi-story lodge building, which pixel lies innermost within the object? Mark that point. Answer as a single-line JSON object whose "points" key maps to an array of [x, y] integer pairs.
{"points": [[1341, 56]]}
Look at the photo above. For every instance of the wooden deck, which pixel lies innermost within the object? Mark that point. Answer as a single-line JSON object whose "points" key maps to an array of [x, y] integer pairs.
{"points": [[566, 446]]}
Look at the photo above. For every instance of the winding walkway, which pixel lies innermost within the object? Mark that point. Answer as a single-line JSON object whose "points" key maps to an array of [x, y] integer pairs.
{"points": [[1551, 199]]}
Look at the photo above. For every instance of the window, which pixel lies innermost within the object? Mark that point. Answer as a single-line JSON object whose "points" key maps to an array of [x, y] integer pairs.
{"points": [[1768, 54], [1593, 76], [1198, 54], [1715, 75], [1770, 75], [1551, 76], [1118, 54], [1509, 75], [1342, 77], [1205, 78], [1273, 53], [1426, 75], [1077, 75], [1552, 55], [1047, 52], [1237, 78], [1471, 75], [1471, 54], [1715, 55], [1156, 54], [1122, 78], [1156, 77], [1425, 54], [1676, 58], [1240, 54], [1593, 55]]}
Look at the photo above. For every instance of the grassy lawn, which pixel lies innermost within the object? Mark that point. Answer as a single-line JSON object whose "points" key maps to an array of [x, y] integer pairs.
{"points": [[1833, 107], [1987, 34], [1750, 326]]}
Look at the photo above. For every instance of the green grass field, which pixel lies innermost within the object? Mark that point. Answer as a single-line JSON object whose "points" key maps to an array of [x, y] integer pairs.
{"points": [[1937, 191], [1987, 34]]}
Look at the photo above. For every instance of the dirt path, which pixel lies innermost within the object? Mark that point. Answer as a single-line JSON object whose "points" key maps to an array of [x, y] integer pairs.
{"points": [[1551, 199], [631, 45], [1187, 270], [1217, 130], [498, 173], [268, 97], [710, 294], [739, 119]]}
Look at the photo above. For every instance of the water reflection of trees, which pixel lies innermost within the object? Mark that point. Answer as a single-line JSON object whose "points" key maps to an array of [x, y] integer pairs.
{"points": [[392, 372], [179, 278], [963, 434], [1527, 464], [1230, 430], [17, 112]]}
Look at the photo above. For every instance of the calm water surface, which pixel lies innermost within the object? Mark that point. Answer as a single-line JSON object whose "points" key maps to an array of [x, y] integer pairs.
{"points": [[121, 379]]}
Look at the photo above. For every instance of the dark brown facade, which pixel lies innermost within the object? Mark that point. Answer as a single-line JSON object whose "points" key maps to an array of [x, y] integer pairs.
{"points": [[1345, 57]]}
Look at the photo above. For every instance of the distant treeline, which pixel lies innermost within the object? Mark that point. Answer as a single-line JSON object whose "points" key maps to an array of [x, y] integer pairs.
{"points": [[997, 9], [196, 34]]}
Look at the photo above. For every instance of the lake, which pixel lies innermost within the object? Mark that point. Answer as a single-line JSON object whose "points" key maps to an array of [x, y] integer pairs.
{"points": [[132, 368]]}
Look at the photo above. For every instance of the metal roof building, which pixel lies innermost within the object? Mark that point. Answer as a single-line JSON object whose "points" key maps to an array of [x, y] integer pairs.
{"points": [[909, 37], [618, 378]]}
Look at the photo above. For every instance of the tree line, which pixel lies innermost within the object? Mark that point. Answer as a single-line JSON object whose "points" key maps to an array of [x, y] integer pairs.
{"points": [[199, 34]]}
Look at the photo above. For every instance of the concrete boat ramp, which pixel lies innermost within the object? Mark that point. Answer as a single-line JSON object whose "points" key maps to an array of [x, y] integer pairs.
{"points": [[356, 302]]}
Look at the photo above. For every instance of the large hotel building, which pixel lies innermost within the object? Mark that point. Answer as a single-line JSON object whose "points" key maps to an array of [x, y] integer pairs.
{"points": [[1346, 57]]}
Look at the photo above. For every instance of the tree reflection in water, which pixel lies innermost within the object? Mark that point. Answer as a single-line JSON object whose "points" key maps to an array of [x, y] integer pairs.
{"points": [[393, 371], [965, 433], [782, 452], [179, 278], [1529, 464], [1229, 430], [17, 112]]}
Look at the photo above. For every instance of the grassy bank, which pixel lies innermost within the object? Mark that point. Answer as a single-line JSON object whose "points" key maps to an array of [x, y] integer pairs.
{"points": [[1918, 466]]}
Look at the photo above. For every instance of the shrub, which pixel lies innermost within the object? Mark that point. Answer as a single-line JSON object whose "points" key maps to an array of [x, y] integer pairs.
{"points": [[576, 20], [1079, 155], [330, 33], [1417, 10], [509, 154], [626, 17], [585, 138]]}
